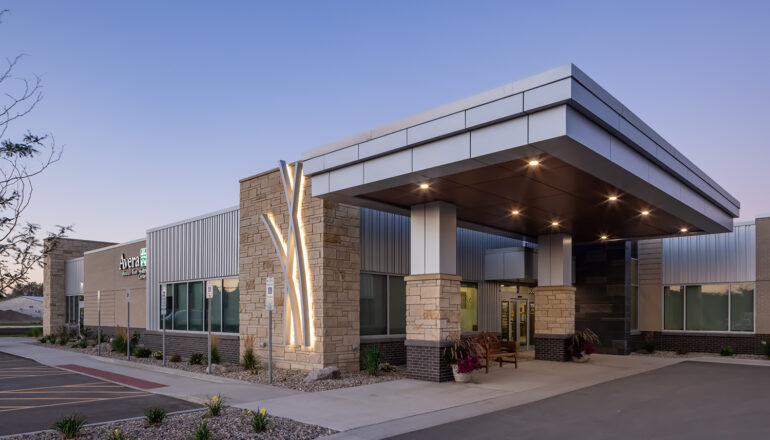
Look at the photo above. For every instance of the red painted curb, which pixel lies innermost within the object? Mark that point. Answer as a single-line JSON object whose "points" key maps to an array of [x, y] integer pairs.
{"points": [[120, 378]]}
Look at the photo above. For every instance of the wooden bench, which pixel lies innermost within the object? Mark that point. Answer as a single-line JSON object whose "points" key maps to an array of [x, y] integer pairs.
{"points": [[491, 349]]}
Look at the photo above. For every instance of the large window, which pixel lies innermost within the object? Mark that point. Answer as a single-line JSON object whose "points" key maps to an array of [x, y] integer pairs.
{"points": [[634, 294], [72, 309], [383, 304], [709, 307], [187, 306], [469, 307]]}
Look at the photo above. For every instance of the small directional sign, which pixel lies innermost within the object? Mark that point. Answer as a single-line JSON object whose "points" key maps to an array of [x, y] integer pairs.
{"points": [[209, 291], [269, 293], [128, 295], [163, 301]]}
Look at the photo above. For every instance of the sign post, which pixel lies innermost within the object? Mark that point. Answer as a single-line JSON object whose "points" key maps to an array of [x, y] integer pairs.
{"points": [[269, 305], [99, 323], [128, 324], [209, 296], [163, 318]]}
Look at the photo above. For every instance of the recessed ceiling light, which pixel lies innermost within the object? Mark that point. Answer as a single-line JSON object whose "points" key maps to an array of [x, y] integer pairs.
{"points": [[534, 162], [683, 230], [554, 223], [604, 237], [515, 212], [613, 198], [645, 212], [424, 186]]}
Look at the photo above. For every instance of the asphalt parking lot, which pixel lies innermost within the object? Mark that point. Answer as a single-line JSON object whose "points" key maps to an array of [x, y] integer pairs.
{"points": [[690, 400], [33, 396]]}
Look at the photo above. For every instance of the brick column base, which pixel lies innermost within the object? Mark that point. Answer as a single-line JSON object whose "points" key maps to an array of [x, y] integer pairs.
{"points": [[552, 348], [424, 361]]}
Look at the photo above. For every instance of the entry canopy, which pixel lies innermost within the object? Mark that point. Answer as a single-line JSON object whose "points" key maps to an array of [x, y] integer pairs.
{"points": [[551, 153]]}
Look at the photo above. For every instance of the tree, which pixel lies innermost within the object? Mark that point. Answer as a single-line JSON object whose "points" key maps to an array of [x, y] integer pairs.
{"points": [[30, 289], [21, 248]]}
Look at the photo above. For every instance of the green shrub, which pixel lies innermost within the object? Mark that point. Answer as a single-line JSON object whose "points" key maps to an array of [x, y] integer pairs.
{"points": [[215, 405], [154, 415], [118, 342], [197, 359], [141, 351], [649, 343], [117, 435], [34, 332], [157, 355], [69, 426], [80, 344], [258, 419], [62, 340], [175, 358], [215, 358], [202, 432], [726, 350], [43, 340], [372, 359], [250, 361]]}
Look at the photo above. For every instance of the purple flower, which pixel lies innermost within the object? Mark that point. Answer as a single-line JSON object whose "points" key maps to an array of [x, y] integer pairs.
{"points": [[589, 348], [467, 365]]}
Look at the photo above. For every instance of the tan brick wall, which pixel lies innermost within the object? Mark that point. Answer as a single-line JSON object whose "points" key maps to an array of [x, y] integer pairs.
{"points": [[102, 272], [432, 307], [651, 285], [763, 276], [554, 310], [53, 279], [334, 253]]}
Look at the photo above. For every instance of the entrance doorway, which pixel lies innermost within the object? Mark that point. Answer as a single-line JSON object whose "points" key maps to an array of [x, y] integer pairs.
{"points": [[517, 315]]}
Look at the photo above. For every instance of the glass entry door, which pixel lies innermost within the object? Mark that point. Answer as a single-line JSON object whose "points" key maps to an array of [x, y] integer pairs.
{"points": [[517, 322]]}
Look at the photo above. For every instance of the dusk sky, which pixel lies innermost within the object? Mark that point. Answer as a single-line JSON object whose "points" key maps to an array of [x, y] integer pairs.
{"points": [[162, 106]]}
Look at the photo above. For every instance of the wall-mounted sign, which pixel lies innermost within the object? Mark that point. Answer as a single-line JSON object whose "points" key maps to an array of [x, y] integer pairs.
{"points": [[270, 294], [163, 301], [209, 291], [134, 265]]}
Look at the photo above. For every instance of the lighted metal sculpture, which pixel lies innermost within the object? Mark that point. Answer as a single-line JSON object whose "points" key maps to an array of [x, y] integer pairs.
{"points": [[292, 254]]}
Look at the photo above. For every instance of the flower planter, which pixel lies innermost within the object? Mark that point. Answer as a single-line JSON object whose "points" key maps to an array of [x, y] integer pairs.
{"points": [[460, 377], [582, 359]]}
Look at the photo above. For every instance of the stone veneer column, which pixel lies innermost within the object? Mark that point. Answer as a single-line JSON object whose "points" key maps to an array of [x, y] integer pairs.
{"points": [[554, 297], [53, 279], [554, 321], [332, 236], [762, 289], [432, 316]]}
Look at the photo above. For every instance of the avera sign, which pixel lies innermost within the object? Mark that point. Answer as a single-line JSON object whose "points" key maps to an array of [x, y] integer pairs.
{"points": [[134, 265]]}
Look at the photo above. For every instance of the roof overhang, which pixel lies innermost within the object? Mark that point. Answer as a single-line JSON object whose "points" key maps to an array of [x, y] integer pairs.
{"points": [[474, 153]]}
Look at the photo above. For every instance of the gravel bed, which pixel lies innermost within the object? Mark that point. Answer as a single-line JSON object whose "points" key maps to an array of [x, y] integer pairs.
{"points": [[231, 424], [673, 354], [292, 379]]}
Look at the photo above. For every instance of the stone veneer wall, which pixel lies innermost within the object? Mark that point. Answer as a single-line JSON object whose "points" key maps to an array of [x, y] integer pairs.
{"points": [[334, 253], [53, 279], [554, 321], [762, 287], [432, 316]]}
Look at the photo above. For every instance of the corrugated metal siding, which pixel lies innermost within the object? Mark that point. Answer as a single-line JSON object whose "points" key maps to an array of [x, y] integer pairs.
{"points": [[73, 277], [470, 251], [489, 306], [714, 258], [205, 247], [384, 242]]}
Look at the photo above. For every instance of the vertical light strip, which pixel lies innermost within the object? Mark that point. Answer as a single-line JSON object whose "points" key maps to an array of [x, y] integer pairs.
{"points": [[294, 261]]}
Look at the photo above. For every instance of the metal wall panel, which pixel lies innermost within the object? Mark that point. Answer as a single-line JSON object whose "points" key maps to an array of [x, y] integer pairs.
{"points": [[73, 277], [489, 306], [471, 246], [200, 248], [384, 242], [713, 258]]}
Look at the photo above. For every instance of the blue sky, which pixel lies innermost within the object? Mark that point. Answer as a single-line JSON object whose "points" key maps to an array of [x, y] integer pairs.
{"points": [[163, 106]]}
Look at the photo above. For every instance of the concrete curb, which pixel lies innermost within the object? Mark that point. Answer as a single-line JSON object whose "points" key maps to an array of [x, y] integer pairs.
{"points": [[167, 370]]}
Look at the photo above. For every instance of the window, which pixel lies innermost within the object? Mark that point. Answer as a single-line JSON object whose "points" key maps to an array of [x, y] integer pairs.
{"points": [[71, 309], [634, 294], [469, 311], [673, 308], [187, 307], [709, 307], [383, 304]]}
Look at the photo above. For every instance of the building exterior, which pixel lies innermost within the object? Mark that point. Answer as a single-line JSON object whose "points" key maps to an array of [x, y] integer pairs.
{"points": [[531, 210]]}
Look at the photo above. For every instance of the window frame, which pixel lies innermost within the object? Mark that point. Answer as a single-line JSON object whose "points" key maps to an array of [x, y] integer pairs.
{"points": [[387, 304], [729, 309], [187, 310]]}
